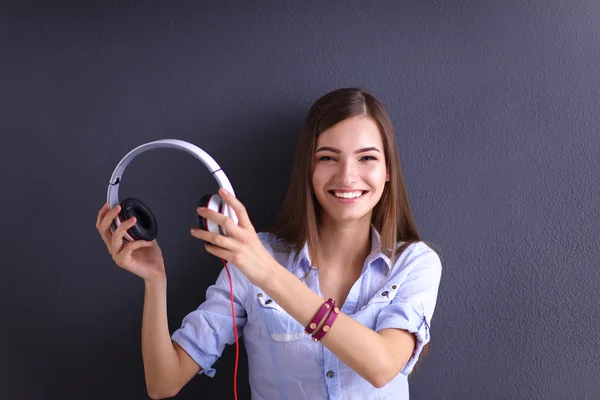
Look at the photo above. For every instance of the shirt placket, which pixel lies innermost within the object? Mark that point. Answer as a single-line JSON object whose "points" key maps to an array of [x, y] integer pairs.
{"points": [[331, 370], [331, 365]]}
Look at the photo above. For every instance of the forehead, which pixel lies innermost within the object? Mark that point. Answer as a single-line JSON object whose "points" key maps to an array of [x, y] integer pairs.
{"points": [[352, 133]]}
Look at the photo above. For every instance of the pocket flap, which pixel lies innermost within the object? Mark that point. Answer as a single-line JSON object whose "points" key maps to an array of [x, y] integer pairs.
{"points": [[267, 302], [385, 293]]}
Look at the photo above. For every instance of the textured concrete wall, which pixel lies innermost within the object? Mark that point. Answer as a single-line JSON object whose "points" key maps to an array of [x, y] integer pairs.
{"points": [[496, 108]]}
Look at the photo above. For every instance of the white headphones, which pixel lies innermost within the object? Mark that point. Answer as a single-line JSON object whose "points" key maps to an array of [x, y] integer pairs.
{"points": [[146, 227]]}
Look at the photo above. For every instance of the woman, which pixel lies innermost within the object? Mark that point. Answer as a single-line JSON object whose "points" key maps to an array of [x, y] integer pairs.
{"points": [[334, 301]]}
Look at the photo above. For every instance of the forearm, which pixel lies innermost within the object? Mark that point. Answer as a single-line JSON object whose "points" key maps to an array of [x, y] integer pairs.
{"points": [[161, 363], [348, 339]]}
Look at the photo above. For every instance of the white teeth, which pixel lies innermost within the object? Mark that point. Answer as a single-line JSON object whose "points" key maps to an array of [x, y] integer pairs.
{"points": [[348, 195]]}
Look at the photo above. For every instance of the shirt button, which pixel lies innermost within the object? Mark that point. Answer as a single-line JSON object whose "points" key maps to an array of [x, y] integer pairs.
{"points": [[330, 374], [268, 301], [260, 295], [394, 287], [385, 293]]}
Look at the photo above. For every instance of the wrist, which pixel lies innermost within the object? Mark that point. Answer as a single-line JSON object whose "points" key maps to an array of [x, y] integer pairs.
{"points": [[155, 284]]}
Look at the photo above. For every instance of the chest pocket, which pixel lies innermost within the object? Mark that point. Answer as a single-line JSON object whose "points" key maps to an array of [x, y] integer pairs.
{"points": [[384, 295], [368, 313], [281, 326]]}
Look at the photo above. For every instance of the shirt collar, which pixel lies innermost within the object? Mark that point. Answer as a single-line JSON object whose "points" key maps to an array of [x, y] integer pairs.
{"points": [[376, 253]]}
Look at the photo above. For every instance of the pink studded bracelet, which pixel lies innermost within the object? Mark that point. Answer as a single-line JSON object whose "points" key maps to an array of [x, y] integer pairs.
{"points": [[319, 316], [327, 325]]}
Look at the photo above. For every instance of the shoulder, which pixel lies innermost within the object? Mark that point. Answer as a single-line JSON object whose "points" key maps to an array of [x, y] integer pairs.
{"points": [[418, 254], [270, 239], [278, 248]]}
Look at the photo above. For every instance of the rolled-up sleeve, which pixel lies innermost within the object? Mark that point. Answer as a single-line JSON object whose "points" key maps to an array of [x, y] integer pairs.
{"points": [[205, 331], [414, 303]]}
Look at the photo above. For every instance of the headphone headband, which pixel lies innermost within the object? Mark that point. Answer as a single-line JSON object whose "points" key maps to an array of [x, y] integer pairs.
{"points": [[112, 195]]}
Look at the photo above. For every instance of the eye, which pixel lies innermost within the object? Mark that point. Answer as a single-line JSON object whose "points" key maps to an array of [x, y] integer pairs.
{"points": [[326, 158], [369, 158]]}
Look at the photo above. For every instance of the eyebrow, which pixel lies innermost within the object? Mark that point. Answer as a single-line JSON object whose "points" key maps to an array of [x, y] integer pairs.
{"points": [[334, 150]]}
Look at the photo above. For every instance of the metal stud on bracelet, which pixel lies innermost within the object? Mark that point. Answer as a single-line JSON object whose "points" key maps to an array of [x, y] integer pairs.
{"points": [[327, 326], [321, 313]]}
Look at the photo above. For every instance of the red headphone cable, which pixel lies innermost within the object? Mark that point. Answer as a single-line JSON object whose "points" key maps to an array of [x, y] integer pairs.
{"points": [[237, 350]]}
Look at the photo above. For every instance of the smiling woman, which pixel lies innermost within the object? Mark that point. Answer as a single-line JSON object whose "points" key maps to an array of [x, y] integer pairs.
{"points": [[335, 301]]}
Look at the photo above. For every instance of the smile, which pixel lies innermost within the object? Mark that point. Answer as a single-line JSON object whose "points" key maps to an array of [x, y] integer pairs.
{"points": [[348, 195]]}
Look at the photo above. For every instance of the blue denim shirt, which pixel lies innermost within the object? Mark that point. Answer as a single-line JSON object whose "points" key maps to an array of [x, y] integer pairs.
{"points": [[284, 362]]}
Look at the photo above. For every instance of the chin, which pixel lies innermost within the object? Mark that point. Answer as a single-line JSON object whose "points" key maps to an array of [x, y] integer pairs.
{"points": [[336, 216]]}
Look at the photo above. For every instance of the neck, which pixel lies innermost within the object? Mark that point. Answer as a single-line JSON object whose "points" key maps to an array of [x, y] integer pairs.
{"points": [[343, 245]]}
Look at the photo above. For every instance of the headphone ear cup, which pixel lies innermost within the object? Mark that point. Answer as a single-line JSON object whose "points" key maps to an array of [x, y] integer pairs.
{"points": [[212, 202], [145, 228], [201, 220]]}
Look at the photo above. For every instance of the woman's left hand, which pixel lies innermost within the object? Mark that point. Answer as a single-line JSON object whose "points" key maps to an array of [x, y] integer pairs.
{"points": [[242, 246]]}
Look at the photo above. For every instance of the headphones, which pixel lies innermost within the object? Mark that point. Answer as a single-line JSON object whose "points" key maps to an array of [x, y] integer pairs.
{"points": [[146, 227]]}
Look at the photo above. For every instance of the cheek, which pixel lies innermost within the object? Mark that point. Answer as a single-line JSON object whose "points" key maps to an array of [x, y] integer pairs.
{"points": [[318, 178], [316, 184], [377, 176]]}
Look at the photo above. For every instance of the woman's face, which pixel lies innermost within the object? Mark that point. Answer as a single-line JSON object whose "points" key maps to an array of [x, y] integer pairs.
{"points": [[349, 172]]}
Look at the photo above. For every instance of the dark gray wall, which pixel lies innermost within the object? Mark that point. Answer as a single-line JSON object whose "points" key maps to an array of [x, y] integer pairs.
{"points": [[496, 106]]}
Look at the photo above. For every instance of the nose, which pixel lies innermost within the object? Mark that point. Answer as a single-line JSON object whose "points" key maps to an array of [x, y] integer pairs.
{"points": [[347, 173]]}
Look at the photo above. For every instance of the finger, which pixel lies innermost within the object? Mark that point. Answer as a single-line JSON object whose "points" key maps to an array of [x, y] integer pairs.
{"points": [[101, 214], [107, 220], [130, 248], [237, 207], [230, 227], [219, 252], [138, 244], [117, 237], [216, 239]]}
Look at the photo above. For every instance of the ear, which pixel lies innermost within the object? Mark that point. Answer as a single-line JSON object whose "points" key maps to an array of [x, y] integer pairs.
{"points": [[387, 177]]}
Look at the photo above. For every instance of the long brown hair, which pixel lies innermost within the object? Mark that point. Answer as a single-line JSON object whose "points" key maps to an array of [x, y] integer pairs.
{"points": [[298, 219]]}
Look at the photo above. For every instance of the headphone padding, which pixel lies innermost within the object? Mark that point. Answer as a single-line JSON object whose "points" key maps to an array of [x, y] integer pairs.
{"points": [[145, 227]]}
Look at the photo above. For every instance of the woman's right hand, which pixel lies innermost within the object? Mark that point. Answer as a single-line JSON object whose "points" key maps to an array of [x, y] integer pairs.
{"points": [[140, 257]]}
